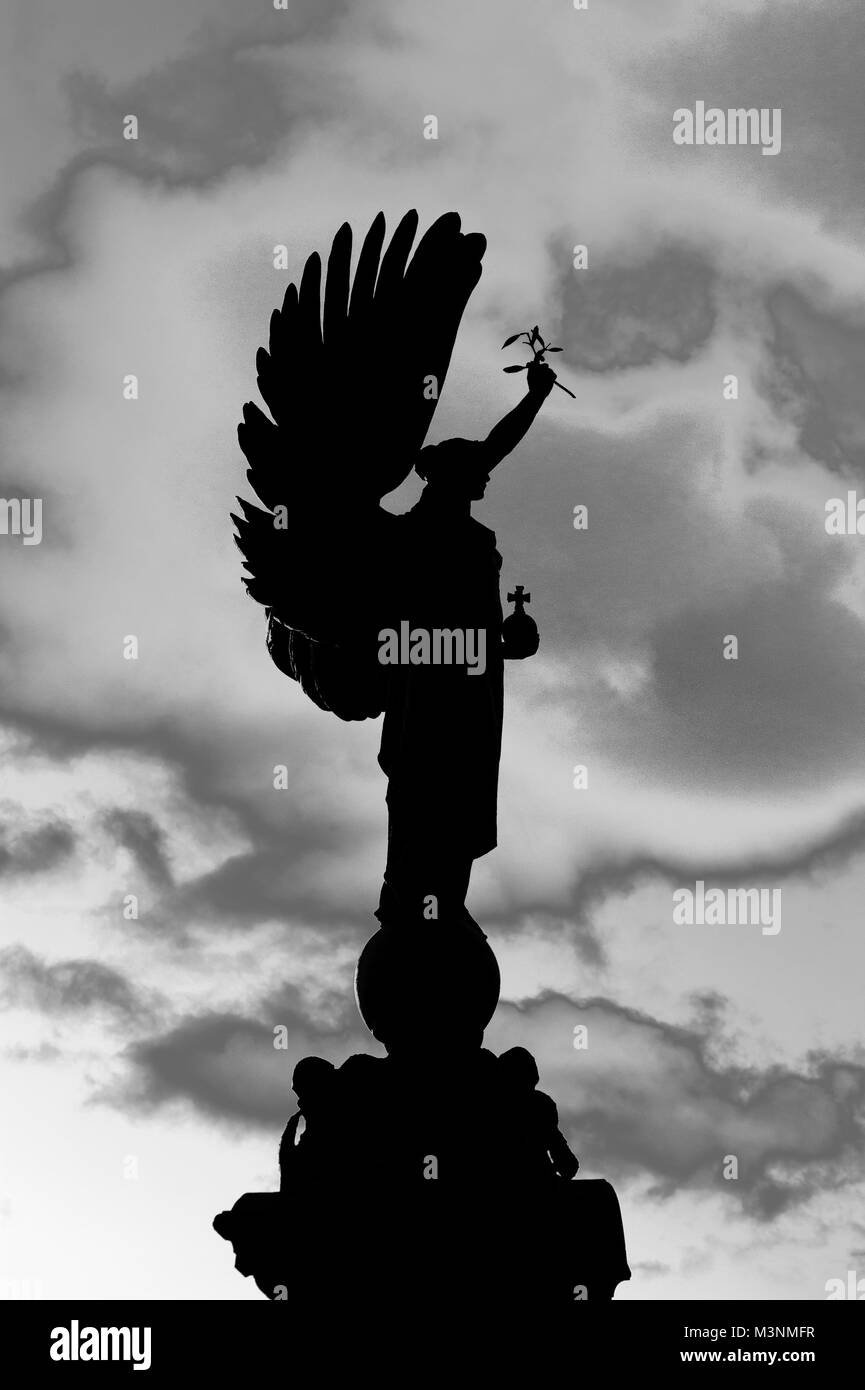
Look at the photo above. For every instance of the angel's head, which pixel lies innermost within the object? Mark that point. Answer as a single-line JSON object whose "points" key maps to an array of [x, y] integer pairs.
{"points": [[456, 468]]}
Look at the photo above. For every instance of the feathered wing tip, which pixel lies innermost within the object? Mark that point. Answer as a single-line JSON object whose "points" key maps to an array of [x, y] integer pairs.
{"points": [[253, 540], [352, 383], [351, 376]]}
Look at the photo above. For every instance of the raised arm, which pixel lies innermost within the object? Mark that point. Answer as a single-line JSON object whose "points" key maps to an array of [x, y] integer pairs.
{"points": [[506, 435]]}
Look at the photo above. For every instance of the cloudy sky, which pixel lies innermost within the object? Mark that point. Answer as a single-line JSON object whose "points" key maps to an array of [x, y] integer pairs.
{"points": [[141, 1089]]}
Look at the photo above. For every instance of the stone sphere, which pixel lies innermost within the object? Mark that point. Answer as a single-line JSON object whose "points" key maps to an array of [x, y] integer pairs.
{"points": [[432, 984]]}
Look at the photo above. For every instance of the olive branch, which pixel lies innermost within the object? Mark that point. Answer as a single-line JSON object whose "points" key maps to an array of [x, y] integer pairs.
{"points": [[536, 345]]}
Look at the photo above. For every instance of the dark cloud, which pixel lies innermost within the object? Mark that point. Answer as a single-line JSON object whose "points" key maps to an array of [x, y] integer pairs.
{"points": [[815, 376], [139, 833], [68, 988], [646, 1097], [789, 710], [27, 848], [643, 1098], [630, 315], [570, 923], [660, 579], [622, 875], [199, 117], [64, 736], [805, 59], [263, 882], [651, 540], [226, 1065], [222, 105]]}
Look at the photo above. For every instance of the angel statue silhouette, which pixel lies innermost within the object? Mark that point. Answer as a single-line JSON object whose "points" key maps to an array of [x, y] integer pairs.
{"points": [[373, 612]]}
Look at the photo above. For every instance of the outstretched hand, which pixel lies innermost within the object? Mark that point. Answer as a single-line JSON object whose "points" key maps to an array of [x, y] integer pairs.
{"points": [[541, 379], [507, 434]]}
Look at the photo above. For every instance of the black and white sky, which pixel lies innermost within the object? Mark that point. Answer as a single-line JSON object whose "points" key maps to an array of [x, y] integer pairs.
{"points": [[141, 1089]]}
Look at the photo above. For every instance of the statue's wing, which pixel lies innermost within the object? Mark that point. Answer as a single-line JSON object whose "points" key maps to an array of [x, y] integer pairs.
{"points": [[351, 380]]}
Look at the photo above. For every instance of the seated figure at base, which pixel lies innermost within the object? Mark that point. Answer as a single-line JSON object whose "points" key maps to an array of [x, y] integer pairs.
{"points": [[313, 1083], [441, 1176], [535, 1131]]}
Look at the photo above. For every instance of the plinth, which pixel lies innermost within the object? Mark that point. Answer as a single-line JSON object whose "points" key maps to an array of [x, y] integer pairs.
{"points": [[426, 1178]]}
